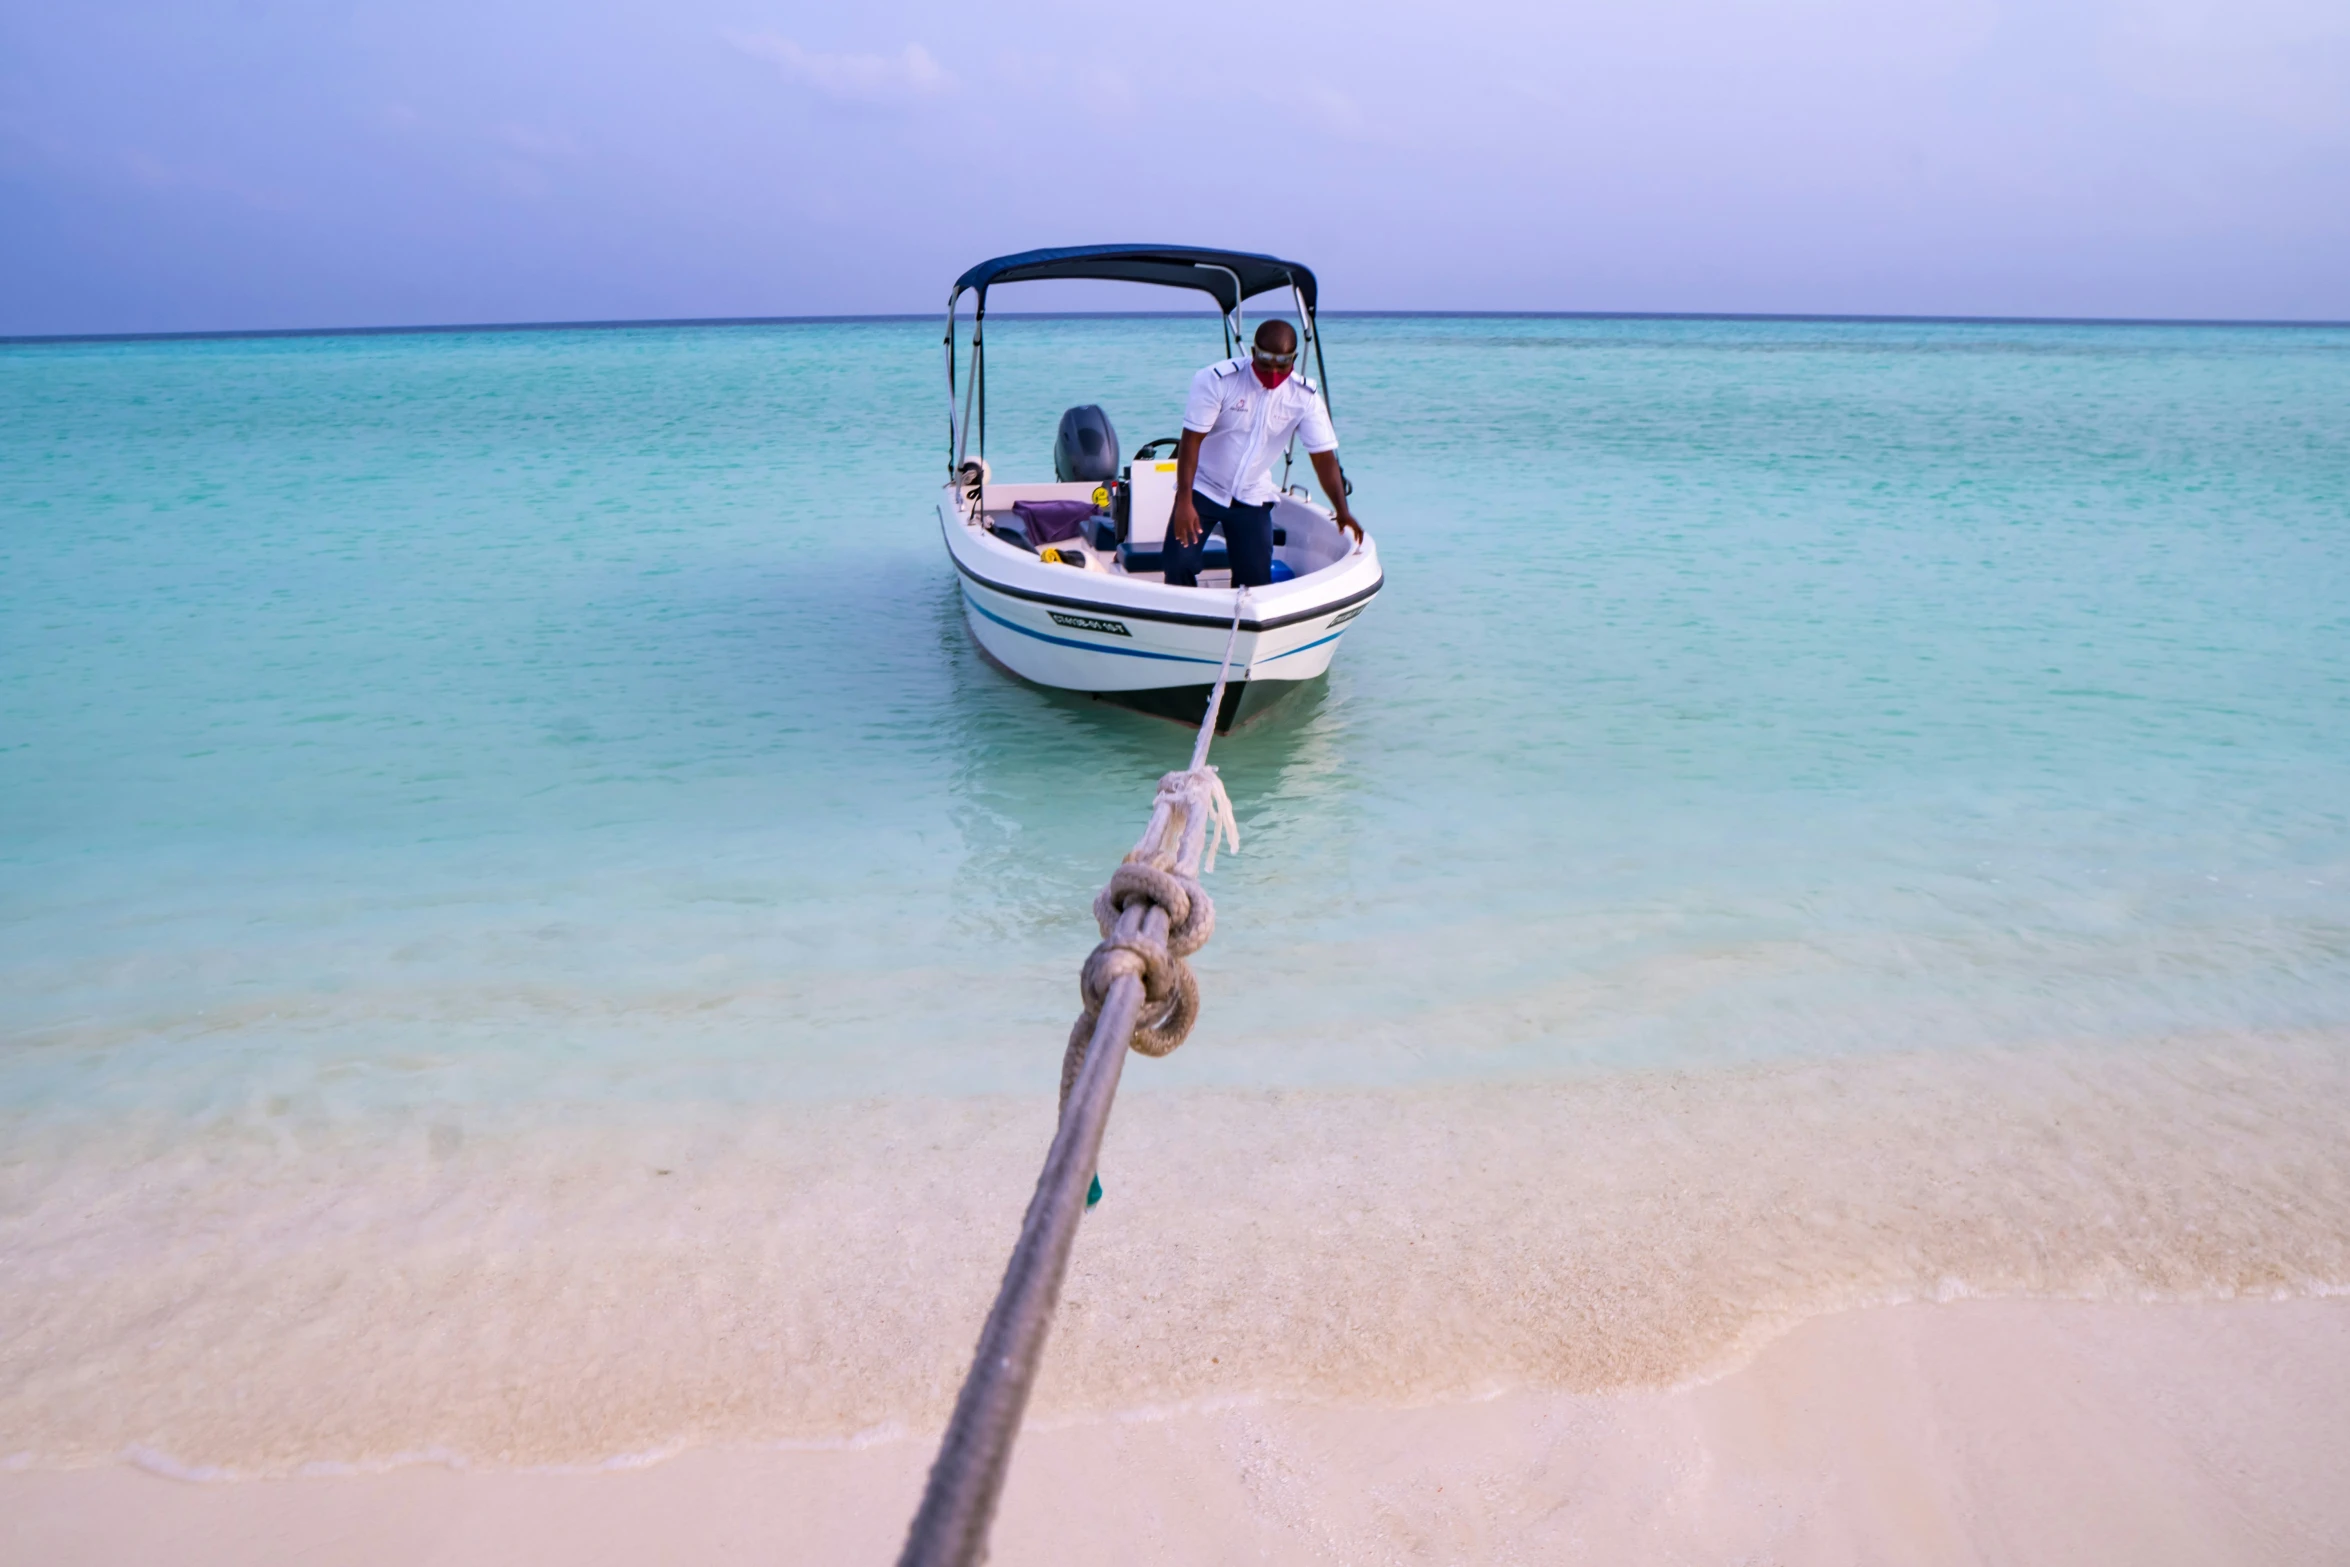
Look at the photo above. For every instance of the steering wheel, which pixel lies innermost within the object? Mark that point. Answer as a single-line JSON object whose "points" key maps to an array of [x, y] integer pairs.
{"points": [[1170, 442]]}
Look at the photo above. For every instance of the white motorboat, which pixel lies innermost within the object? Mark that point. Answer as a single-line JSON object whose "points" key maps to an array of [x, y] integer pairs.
{"points": [[1093, 613]]}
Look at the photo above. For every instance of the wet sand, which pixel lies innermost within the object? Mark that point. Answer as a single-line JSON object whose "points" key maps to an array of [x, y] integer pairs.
{"points": [[1982, 1431], [573, 1293]]}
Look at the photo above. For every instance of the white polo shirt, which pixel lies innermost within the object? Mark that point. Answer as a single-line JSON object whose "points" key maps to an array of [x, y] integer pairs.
{"points": [[1247, 427]]}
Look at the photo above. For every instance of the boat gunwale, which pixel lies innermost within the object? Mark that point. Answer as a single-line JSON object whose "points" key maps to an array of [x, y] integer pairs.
{"points": [[1168, 617]]}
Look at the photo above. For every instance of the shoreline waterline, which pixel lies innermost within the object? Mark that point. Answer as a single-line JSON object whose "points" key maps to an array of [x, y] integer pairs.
{"points": [[586, 1289]]}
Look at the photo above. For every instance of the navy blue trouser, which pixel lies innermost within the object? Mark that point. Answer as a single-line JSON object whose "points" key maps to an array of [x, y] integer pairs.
{"points": [[1248, 539]]}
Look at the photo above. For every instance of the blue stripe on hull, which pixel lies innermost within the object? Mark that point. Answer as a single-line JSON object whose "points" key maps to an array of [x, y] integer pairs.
{"points": [[1089, 647], [1317, 642], [1135, 652]]}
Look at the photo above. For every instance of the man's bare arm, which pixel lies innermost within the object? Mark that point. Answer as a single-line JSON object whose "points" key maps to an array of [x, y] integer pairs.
{"points": [[1183, 521], [1334, 486]]}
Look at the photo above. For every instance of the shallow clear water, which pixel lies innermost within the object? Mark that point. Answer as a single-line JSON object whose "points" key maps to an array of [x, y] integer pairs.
{"points": [[535, 715], [570, 738]]}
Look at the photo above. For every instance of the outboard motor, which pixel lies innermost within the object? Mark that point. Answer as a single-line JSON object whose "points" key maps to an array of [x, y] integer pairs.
{"points": [[1087, 447]]}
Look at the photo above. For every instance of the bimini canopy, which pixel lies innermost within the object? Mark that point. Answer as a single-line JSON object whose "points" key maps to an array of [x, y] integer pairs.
{"points": [[1212, 272]]}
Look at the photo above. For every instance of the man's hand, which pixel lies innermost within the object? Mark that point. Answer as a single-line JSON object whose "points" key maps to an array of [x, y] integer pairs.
{"points": [[1334, 486], [1183, 521]]}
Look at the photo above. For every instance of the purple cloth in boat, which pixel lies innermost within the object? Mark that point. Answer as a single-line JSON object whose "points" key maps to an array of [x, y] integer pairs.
{"points": [[1052, 522]]}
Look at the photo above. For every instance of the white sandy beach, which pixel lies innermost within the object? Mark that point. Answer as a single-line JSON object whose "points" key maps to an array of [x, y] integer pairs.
{"points": [[2037, 1307], [1983, 1431], [255, 1302]]}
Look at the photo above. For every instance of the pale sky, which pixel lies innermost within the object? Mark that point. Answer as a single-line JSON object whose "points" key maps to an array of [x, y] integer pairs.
{"points": [[206, 165]]}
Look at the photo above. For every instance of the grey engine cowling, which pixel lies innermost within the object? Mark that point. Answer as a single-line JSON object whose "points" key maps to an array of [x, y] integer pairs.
{"points": [[1086, 447]]}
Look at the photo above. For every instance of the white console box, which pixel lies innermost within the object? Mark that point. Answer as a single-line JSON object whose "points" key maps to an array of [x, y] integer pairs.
{"points": [[1150, 500]]}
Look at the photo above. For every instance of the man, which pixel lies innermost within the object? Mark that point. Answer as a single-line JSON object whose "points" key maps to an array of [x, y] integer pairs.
{"points": [[1240, 417]]}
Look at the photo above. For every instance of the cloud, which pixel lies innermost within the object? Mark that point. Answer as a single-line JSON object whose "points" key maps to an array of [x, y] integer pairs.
{"points": [[904, 77], [1332, 110], [1093, 83]]}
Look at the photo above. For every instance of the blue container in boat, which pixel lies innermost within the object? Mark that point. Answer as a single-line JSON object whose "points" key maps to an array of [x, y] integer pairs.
{"points": [[1282, 573]]}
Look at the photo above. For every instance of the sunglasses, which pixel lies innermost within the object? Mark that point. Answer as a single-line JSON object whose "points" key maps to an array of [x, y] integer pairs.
{"points": [[1275, 361]]}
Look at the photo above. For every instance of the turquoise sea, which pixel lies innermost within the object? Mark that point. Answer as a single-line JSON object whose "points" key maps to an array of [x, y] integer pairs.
{"points": [[413, 741]]}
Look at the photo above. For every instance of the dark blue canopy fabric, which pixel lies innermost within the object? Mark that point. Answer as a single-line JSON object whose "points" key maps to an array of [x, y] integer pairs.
{"points": [[1173, 266]]}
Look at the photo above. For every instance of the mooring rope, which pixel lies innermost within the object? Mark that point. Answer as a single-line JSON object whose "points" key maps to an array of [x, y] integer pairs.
{"points": [[1137, 991]]}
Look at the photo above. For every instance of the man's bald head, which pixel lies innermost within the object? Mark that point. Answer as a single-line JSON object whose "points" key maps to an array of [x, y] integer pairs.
{"points": [[1277, 337]]}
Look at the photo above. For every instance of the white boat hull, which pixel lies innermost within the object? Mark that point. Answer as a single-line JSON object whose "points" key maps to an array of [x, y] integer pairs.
{"points": [[1136, 639]]}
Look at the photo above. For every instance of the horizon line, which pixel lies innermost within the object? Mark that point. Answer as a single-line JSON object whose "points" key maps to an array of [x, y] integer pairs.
{"points": [[646, 323]]}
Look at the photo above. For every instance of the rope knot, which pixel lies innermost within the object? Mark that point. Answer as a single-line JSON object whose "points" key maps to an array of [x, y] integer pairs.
{"points": [[1191, 913], [1170, 990], [1208, 809], [1190, 818], [1145, 960]]}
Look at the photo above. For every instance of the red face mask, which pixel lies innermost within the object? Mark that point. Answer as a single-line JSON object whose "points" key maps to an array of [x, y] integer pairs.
{"points": [[1270, 376]]}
